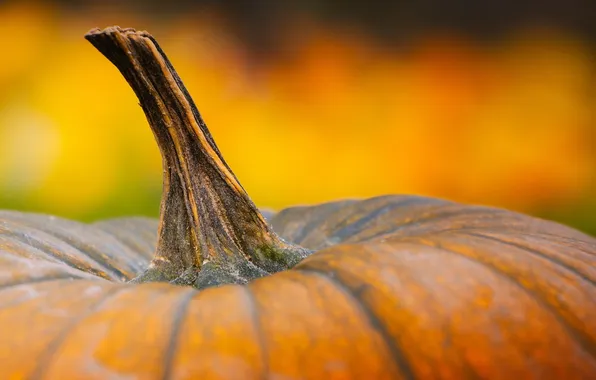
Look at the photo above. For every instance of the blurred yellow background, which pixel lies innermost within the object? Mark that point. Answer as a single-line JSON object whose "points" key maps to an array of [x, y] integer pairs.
{"points": [[334, 113]]}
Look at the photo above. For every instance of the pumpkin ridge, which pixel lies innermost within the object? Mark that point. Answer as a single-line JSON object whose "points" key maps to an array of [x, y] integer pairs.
{"points": [[468, 210], [521, 271], [332, 206], [578, 254], [31, 251], [103, 271], [141, 229], [87, 250], [98, 257], [535, 253], [398, 257], [336, 209], [6, 306], [258, 330], [582, 339], [400, 360], [56, 277], [130, 245], [575, 242], [45, 358], [356, 226], [577, 238], [177, 321]]}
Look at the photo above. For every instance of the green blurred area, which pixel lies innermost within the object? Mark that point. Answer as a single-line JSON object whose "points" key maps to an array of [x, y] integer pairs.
{"points": [[309, 102]]}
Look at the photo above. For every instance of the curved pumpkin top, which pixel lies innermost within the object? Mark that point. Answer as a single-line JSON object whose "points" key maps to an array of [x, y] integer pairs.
{"points": [[400, 287], [397, 287]]}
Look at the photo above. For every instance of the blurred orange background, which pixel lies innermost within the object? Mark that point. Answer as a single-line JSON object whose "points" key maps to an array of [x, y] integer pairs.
{"points": [[325, 110]]}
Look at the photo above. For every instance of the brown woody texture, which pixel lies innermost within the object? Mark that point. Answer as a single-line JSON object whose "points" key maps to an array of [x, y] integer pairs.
{"points": [[397, 287]]}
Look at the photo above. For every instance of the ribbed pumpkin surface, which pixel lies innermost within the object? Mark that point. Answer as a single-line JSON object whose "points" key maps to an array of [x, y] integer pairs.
{"points": [[400, 287]]}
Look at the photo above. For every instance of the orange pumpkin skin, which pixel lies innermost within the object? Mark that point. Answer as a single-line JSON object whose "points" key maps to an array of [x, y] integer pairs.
{"points": [[399, 287]]}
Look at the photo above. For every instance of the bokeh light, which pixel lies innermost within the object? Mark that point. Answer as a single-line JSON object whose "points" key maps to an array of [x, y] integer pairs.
{"points": [[335, 113]]}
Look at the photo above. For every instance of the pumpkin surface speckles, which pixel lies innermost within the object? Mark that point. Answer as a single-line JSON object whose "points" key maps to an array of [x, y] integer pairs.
{"points": [[392, 287]]}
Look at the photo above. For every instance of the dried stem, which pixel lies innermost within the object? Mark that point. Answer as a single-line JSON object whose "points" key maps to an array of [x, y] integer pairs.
{"points": [[210, 231]]}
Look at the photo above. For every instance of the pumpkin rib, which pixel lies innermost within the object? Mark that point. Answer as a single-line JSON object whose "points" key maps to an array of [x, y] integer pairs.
{"points": [[324, 213], [129, 244], [582, 340], [17, 269], [15, 247], [137, 231], [311, 337], [533, 252], [119, 231], [45, 285], [256, 323], [353, 295], [142, 225], [564, 248], [70, 261], [411, 259], [103, 270], [178, 320], [45, 359], [469, 210], [103, 249], [355, 227], [94, 254], [55, 277], [572, 242]]}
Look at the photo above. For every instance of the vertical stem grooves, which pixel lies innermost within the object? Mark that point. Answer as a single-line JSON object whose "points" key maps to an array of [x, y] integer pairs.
{"points": [[206, 216]]}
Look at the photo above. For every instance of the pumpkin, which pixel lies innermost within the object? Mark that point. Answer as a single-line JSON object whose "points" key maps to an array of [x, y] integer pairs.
{"points": [[393, 287]]}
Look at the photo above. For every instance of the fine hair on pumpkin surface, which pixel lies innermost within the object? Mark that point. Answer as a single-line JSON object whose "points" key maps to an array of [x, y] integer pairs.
{"points": [[391, 287]]}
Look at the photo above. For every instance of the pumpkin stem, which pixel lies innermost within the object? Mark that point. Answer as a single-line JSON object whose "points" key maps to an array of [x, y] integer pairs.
{"points": [[210, 231]]}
